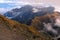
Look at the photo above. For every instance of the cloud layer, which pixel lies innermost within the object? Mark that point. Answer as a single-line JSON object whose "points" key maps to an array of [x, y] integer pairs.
{"points": [[19, 3]]}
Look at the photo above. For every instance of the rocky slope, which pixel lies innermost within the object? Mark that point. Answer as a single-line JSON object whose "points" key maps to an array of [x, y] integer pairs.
{"points": [[12, 30], [49, 23]]}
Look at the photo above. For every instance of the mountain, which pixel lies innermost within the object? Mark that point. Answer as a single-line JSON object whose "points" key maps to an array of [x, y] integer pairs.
{"points": [[13, 30], [49, 24], [26, 13]]}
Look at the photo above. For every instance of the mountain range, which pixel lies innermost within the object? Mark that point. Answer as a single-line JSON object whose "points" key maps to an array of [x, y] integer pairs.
{"points": [[13, 30], [32, 23]]}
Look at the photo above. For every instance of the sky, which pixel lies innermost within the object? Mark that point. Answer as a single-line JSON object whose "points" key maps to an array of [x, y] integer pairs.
{"points": [[6, 5]]}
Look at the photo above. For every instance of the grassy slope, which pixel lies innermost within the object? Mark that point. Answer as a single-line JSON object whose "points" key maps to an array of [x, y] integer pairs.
{"points": [[12, 30]]}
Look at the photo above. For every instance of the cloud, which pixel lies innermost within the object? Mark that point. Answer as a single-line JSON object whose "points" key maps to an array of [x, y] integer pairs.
{"points": [[12, 1], [57, 8], [49, 28], [57, 22], [3, 10], [18, 3], [3, 1]]}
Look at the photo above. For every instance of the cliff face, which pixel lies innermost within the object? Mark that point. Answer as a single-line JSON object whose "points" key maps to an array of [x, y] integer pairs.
{"points": [[12, 30]]}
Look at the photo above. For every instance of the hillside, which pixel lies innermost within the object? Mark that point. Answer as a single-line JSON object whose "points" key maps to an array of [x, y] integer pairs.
{"points": [[12, 30], [49, 24]]}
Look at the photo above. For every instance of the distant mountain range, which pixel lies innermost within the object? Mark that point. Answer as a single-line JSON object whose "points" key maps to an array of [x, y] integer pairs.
{"points": [[26, 13]]}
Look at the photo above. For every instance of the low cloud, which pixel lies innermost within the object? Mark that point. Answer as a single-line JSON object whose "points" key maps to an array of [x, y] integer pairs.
{"points": [[19, 3], [3, 10]]}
